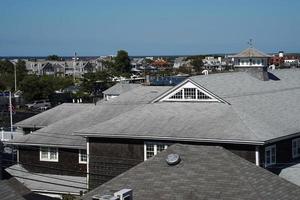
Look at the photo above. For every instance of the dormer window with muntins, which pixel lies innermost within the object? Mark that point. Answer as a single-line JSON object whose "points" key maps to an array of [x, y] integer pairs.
{"points": [[189, 92]]}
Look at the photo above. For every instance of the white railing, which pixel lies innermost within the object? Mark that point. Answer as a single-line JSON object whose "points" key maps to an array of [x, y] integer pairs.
{"points": [[7, 135]]}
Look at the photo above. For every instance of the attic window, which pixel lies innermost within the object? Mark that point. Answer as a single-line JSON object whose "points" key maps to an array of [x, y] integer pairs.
{"points": [[178, 95], [190, 94], [188, 91]]}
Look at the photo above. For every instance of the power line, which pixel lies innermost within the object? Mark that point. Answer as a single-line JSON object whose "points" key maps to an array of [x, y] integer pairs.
{"points": [[45, 176], [58, 169], [50, 182]]}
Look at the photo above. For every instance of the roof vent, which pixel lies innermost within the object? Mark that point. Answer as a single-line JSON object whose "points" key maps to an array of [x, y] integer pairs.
{"points": [[173, 159]]}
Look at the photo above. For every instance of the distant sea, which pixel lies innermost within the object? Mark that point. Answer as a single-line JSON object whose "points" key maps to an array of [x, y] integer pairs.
{"points": [[135, 56]]}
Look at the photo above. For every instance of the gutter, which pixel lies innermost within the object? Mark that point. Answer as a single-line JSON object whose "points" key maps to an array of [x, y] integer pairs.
{"points": [[282, 138], [27, 126], [46, 145], [209, 140]]}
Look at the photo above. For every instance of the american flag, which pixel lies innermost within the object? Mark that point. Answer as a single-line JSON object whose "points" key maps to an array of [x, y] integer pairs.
{"points": [[12, 109]]}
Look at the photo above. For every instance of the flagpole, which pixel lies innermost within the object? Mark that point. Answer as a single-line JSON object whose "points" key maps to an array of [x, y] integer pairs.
{"points": [[10, 112]]}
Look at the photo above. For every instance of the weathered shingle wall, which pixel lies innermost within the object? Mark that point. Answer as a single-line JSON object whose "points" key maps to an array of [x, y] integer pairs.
{"points": [[68, 162], [109, 158]]}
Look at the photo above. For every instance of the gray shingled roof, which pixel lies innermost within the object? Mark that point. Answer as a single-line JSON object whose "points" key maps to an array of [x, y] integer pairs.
{"points": [[8, 193], [120, 88], [259, 111], [39, 182], [176, 121], [251, 53], [53, 115], [205, 172], [60, 134], [12, 189], [291, 173]]}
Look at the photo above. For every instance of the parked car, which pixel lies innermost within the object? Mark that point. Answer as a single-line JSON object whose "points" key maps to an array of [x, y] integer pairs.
{"points": [[39, 105]]}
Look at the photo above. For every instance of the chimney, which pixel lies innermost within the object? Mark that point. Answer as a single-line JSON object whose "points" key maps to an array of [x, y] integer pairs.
{"points": [[147, 80], [260, 73]]}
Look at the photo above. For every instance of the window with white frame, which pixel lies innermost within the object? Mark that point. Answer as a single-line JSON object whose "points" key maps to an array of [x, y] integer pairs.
{"points": [[178, 95], [296, 147], [49, 154], [270, 155], [187, 94], [151, 149], [82, 156]]}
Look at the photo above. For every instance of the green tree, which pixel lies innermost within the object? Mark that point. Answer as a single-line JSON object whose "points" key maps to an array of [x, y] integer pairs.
{"points": [[90, 80], [122, 62], [35, 87], [6, 67], [53, 57], [21, 71], [6, 75], [197, 63]]}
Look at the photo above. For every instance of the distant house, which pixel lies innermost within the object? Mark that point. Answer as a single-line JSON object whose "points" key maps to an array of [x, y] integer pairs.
{"points": [[201, 172], [63, 68], [180, 62], [210, 62]]}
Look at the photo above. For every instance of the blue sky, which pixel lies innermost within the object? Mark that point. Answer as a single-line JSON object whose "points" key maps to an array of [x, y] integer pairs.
{"points": [[147, 27]]}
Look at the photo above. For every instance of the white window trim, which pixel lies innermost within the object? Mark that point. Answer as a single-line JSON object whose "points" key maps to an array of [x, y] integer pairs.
{"points": [[155, 148], [79, 157], [188, 84], [297, 140], [48, 159], [270, 148]]}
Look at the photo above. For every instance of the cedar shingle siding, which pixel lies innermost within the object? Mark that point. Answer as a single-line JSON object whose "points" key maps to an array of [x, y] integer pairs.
{"points": [[110, 157], [68, 162]]}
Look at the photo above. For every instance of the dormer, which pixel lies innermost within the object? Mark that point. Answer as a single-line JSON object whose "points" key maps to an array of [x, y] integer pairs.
{"points": [[188, 91]]}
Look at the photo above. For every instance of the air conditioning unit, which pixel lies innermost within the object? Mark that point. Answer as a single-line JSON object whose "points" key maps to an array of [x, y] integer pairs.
{"points": [[124, 194]]}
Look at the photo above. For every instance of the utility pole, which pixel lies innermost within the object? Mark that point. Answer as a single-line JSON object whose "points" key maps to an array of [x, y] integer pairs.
{"points": [[10, 112], [15, 71], [74, 66]]}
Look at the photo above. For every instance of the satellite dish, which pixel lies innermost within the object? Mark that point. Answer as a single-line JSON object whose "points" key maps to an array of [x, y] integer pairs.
{"points": [[173, 159]]}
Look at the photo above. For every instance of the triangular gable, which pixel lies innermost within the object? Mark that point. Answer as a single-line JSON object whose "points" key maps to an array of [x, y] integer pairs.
{"points": [[188, 91]]}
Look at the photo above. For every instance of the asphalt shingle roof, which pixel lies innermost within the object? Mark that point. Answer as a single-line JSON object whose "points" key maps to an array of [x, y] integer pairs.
{"points": [[8, 193], [251, 52], [120, 88], [53, 115], [12, 189], [48, 182], [258, 111], [205, 172], [60, 134]]}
